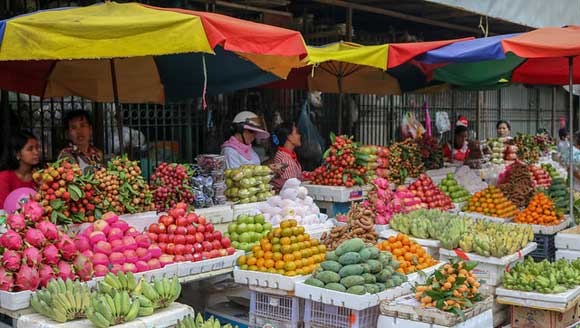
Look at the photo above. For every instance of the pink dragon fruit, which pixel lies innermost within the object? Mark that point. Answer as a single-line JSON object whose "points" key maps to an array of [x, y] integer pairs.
{"points": [[11, 260], [155, 251], [46, 273], [83, 268], [129, 267], [143, 241], [101, 270], [65, 271], [118, 245], [88, 231], [103, 247], [27, 278], [32, 210], [6, 280], [117, 258], [16, 222], [34, 237], [67, 247], [132, 232], [51, 254], [142, 266], [130, 256], [121, 225], [116, 268], [154, 264], [100, 258], [110, 217], [48, 229], [130, 242], [82, 243], [97, 236], [88, 253], [115, 234], [32, 256], [143, 254], [11, 240]]}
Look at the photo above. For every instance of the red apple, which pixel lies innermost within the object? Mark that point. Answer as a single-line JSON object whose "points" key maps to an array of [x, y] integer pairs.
{"points": [[179, 258], [179, 239], [171, 229], [207, 246], [197, 247], [181, 222], [181, 231], [190, 239], [231, 250], [191, 229], [179, 249], [226, 242], [202, 220], [205, 255], [214, 253], [170, 238], [217, 235], [197, 257], [166, 220], [162, 246], [216, 244], [170, 249], [223, 252], [199, 237], [153, 236], [162, 228], [209, 227], [208, 236], [188, 257], [201, 228], [188, 249]]}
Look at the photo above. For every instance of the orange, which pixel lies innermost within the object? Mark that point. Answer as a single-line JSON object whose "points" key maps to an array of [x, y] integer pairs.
{"points": [[313, 242], [260, 262], [322, 249], [267, 247], [286, 249], [276, 248], [242, 260], [288, 258], [285, 241], [289, 266], [260, 254], [251, 261], [298, 264], [256, 249], [269, 263], [297, 255], [285, 224], [279, 265], [253, 268]]}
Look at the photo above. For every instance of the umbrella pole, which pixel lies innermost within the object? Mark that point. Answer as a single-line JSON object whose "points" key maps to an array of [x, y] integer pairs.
{"points": [[118, 113], [339, 81], [573, 135]]}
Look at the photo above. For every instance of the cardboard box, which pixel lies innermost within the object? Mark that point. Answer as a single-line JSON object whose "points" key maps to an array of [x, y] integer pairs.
{"points": [[525, 317]]}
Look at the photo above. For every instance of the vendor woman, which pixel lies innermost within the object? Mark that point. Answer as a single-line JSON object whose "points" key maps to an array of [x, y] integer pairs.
{"points": [[80, 151], [503, 129], [238, 151], [22, 156], [458, 149], [286, 138]]}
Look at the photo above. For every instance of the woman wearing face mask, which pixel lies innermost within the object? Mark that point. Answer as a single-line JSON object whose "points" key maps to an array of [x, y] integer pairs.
{"points": [[458, 149], [286, 138], [22, 156], [237, 150]]}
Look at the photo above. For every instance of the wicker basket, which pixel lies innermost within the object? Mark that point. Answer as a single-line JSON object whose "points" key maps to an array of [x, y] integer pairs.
{"points": [[406, 307]]}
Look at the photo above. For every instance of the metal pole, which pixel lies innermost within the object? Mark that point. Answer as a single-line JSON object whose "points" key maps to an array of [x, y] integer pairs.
{"points": [[118, 112], [554, 129], [573, 135]]}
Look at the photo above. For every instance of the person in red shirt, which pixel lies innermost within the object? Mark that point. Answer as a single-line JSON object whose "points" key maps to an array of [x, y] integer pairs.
{"points": [[286, 138], [19, 161], [458, 150]]}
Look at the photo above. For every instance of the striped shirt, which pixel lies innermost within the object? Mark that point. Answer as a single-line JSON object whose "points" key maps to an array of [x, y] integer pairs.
{"points": [[294, 169]]}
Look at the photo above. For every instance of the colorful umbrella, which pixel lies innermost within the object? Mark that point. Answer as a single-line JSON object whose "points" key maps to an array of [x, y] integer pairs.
{"points": [[157, 54], [346, 67], [543, 56]]}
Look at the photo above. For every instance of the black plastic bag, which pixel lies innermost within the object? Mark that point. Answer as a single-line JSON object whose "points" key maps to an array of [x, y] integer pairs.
{"points": [[312, 148]]}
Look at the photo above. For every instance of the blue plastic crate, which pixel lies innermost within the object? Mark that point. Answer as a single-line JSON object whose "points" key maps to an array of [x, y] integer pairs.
{"points": [[546, 247]]}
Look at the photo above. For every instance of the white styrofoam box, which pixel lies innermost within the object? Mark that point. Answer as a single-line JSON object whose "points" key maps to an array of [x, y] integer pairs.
{"points": [[553, 302], [431, 246], [336, 194], [491, 269], [189, 268], [268, 280], [350, 301], [15, 300], [551, 230], [248, 209], [148, 275], [171, 269], [162, 318], [381, 227], [484, 319], [484, 217], [567, 254], [217, 214], [568, 239], [140, 221]]}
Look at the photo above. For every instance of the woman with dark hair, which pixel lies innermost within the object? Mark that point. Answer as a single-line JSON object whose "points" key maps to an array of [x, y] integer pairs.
{"points": [[286, 138], [503, 129], [22, 156], [458, 149]]}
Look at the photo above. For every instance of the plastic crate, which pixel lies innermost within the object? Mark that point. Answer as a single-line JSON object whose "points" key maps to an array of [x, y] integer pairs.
{"points": [[319, 315], [275, 308], [546, 247], [259, 322]]}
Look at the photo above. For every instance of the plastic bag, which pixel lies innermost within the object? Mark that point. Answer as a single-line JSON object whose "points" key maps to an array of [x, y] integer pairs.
{"points": [[411, 127], [442, 122], [310, 152]]}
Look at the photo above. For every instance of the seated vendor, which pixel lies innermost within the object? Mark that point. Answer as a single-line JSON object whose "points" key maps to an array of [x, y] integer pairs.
{"points": [[286, 138], [458, 149], [18, 163], [79, 129]]}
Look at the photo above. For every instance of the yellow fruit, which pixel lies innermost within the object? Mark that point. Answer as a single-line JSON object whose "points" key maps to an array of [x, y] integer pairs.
{"points": [[277, 256], [285, 224], [251, 261], [256, 249], [297, 255], [293, 239], [275, 241], [253, 268], [269, 263], [285, 241], [286, 249], [289, 266], [293, 223], [298, 264], [286, 232], [260, 262], [300, 238], [288, 258], [276, 248], [313, 242], [296, 231], [277, 232], [242, 260], [279, 265]]}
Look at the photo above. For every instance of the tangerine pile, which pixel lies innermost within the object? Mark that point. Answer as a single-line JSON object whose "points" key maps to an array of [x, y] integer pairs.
{"points": [[491, 202], [411, 256], [541, 210], [287, 250]]}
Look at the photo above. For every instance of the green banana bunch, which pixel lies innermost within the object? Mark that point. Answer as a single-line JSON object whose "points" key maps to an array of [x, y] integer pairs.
{"points": [[62, 301], [189, 322], [161, 293], [466, 243], [119, 282], [107, 310], [544, 277]]}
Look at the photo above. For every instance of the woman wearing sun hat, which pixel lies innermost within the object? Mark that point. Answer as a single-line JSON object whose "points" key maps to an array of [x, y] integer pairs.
{"points": [[237, 150], [458, 149]]}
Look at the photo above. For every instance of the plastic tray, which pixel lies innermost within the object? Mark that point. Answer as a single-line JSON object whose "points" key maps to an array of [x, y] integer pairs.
{"points": [[191, 268], [350, 301], [268, 280], [485, 319], [248, 209], [15, 300], [336, 194], [568, 239], [260, 322], [148, 275], [490, 269], [162, 318], [278, 308], [319, 315], [567, 254], [217, 214], [552, 230], [552, 302]]}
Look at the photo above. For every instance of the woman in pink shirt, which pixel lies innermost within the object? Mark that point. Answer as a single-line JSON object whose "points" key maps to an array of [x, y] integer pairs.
{"points": [[286, 138], [22, 156]]}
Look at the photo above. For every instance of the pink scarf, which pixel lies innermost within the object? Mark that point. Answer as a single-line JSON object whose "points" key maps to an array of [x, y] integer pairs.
{"points": [[243, 149]]}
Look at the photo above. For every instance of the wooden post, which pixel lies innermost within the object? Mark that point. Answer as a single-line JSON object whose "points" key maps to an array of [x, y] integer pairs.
{"points": [[554, 128], [478, 113], [5, 110], [349, 24]]}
